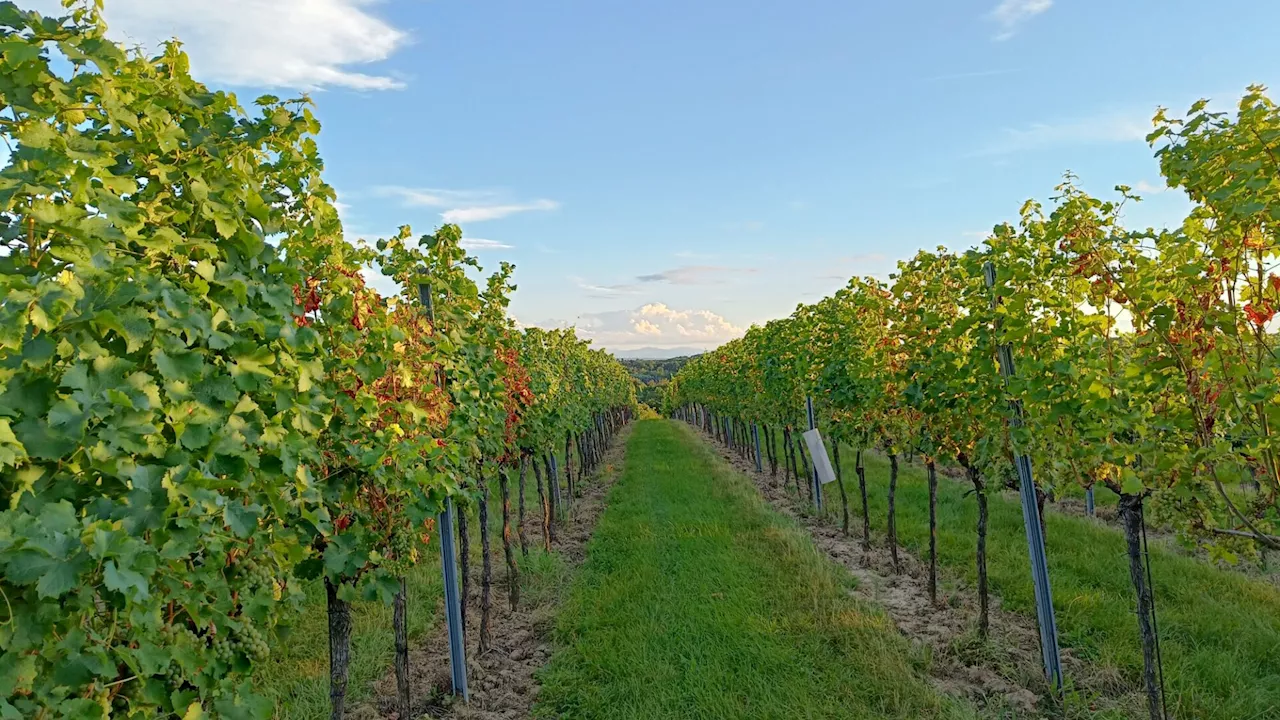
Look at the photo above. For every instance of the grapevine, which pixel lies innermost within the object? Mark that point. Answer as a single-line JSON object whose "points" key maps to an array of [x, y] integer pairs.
{"points": [[195, 421], [1146, 358]]}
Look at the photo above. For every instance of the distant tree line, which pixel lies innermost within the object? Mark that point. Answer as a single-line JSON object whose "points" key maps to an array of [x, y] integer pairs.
{"points": [[652, 376]]}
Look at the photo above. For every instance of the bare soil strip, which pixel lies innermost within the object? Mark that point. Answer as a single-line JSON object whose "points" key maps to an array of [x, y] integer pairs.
{"points": [[502, 682]]}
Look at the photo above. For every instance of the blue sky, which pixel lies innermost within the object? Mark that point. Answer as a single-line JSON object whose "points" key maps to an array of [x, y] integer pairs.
{"points": [[667, 173]]}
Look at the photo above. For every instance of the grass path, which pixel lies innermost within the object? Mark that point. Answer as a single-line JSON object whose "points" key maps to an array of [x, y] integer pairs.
{"points": [[1219, 630], [697, 601]]}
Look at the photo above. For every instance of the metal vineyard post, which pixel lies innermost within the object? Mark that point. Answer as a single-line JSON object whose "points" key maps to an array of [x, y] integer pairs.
{"points": [[1031, 522], [449, 565]]}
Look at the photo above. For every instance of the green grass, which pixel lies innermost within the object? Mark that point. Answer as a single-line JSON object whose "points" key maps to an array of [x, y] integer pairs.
{"points": [[1219, 630], [297, 673], [698, 601]]}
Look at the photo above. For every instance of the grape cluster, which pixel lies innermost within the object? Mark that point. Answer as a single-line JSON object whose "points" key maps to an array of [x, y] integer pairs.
{"points": [[173, 675], [256, 573], [224, 649], [401, 545], [243, 640], [252, 642]]}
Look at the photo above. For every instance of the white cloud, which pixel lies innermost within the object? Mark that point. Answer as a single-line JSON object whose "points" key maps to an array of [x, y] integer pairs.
{"points": [[605, 291], [344, 211], [434, 197], [470, 243], [684, 275], [1145, 188], [383, 284], [644, 327], [480, 213], [694, 275], [296, 44], [654, 324], [1010, 15], [1097, 129], [460, 206]]}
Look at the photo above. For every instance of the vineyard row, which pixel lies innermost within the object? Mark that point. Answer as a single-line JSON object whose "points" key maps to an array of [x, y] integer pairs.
{"points": [[1139, 361], [202, 402]]}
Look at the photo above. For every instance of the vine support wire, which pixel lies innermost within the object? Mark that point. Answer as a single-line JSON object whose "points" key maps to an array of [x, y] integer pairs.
{"points": [[449, 566], [813, 425], [1031, 521]]}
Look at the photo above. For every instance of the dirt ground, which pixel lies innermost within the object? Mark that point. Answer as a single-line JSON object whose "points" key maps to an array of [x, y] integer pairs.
{"points": [[502, 681]]}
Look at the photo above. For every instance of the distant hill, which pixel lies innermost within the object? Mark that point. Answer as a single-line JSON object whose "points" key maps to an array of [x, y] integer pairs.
{"points": [[652, 353], [652, 376], [649, 371]]}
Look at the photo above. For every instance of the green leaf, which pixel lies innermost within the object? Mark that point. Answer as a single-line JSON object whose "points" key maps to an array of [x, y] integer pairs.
{"points": [[26, 567], [40, 440], [17, 674], [225, 224], [178, 365], [132, 325], [59, 517], [195, 436], [152, 658], [242, 520], [36, 134], [1130, 483], [245, 405], [199, 189], [38, 351], [255, 362], [204, 269], [60, 579], [11, 451], [19, 50], [66, 413], [27, 396], [123, 580], [219, 340]]}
